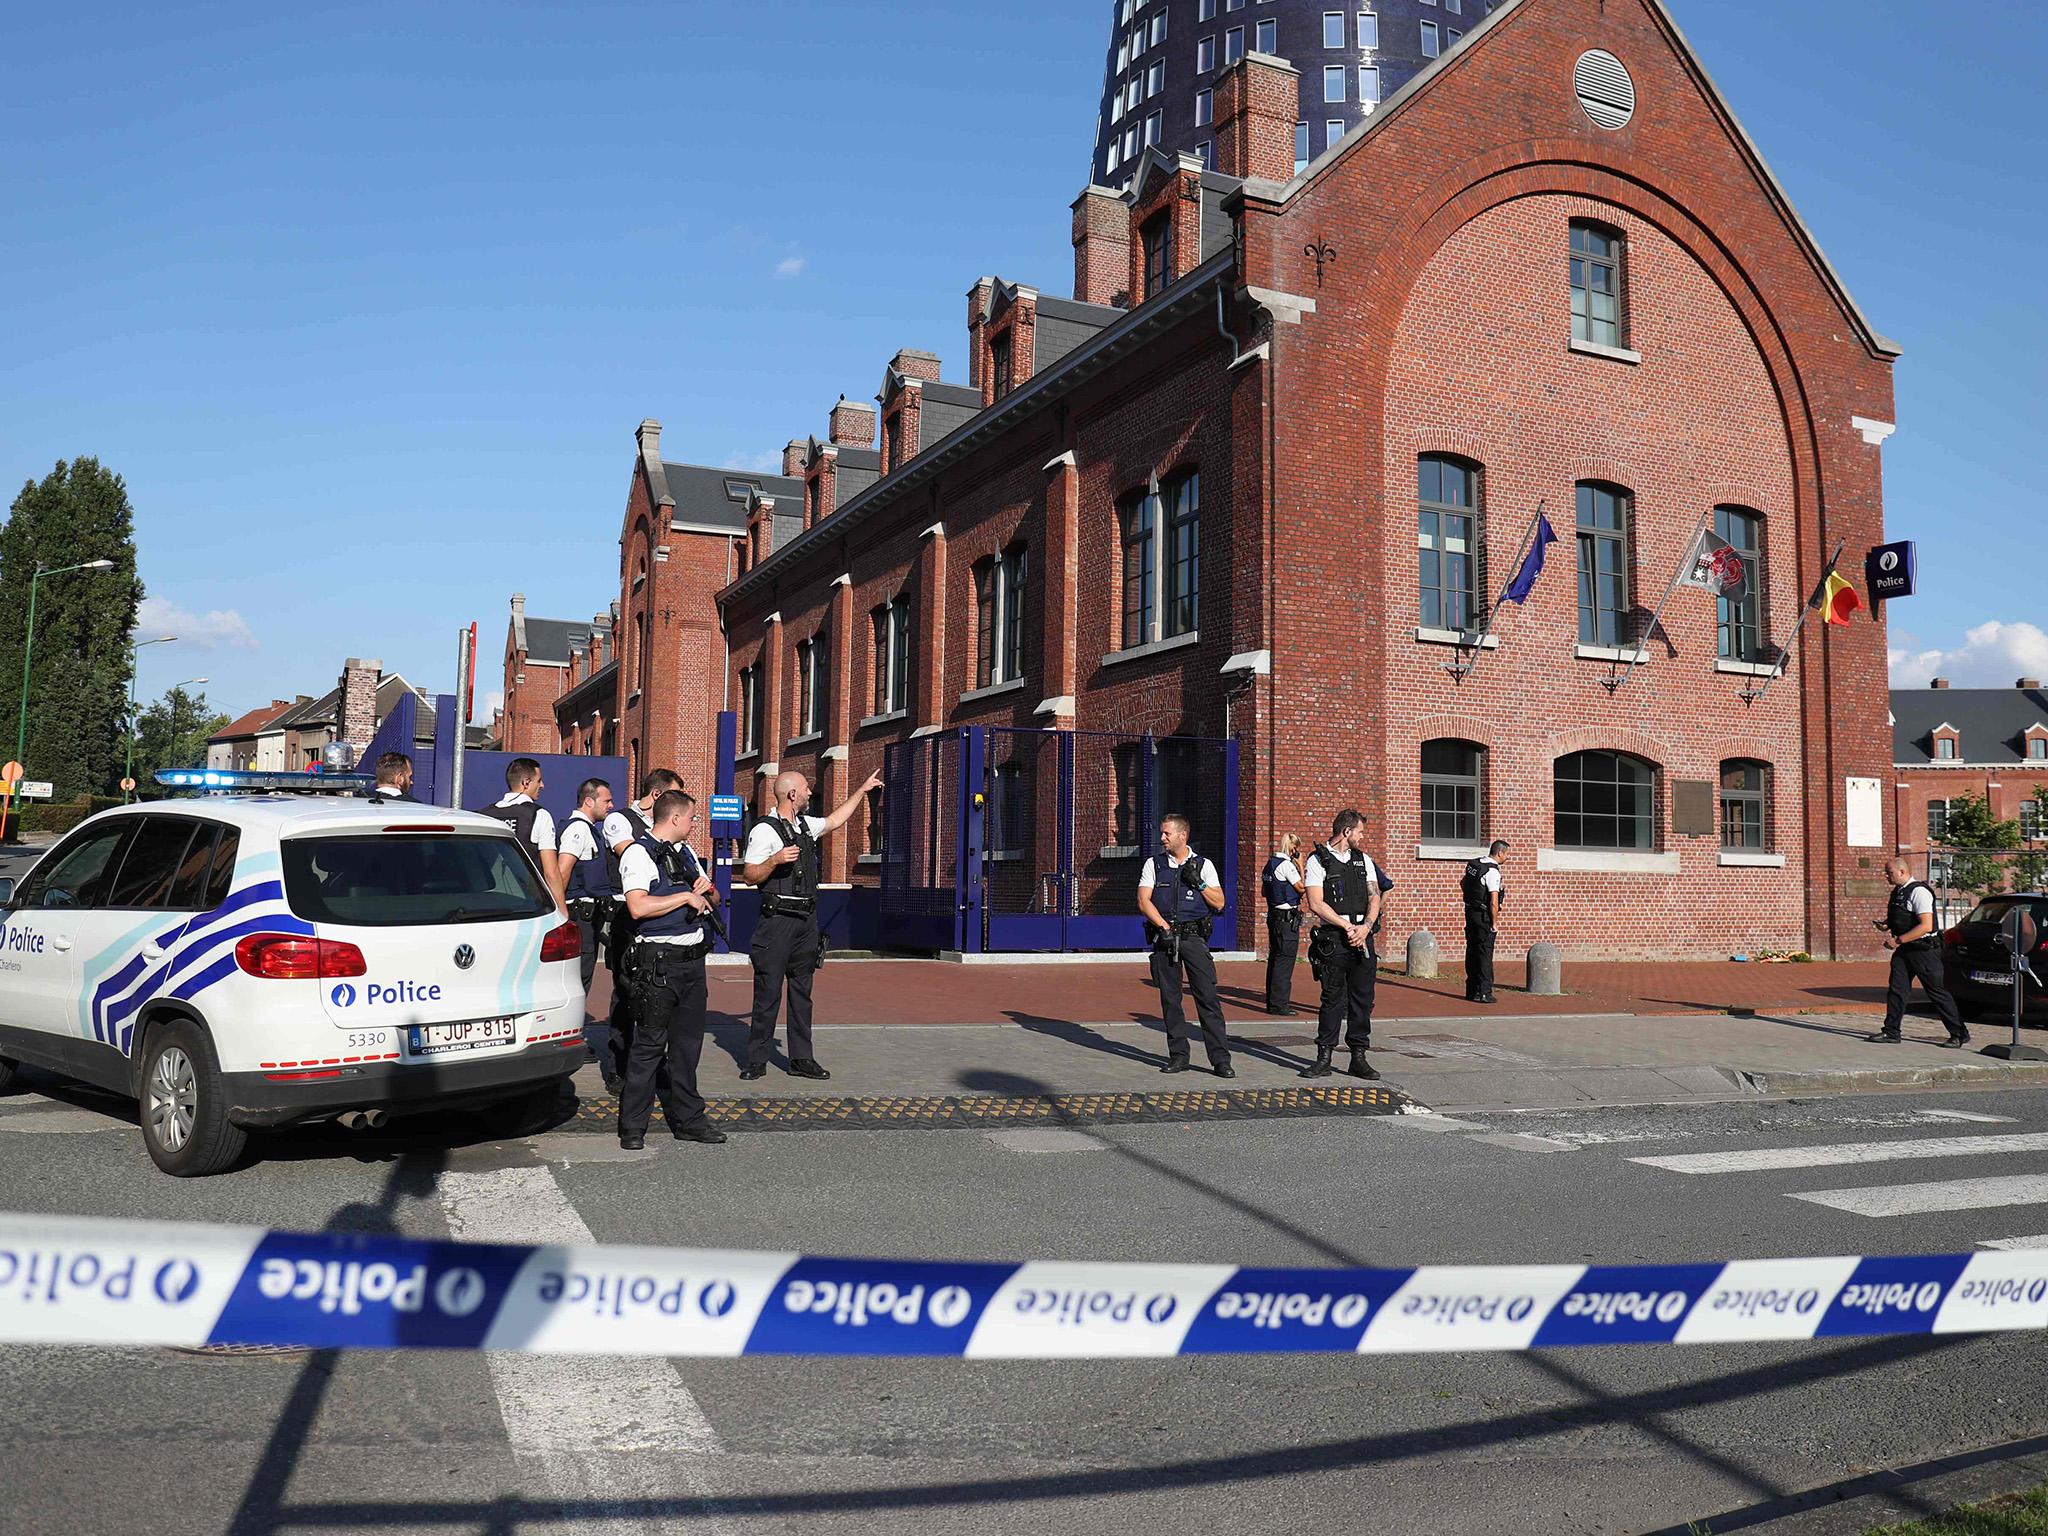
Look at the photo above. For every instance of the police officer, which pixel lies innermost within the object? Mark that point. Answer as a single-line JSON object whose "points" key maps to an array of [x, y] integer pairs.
{"points": [[394, 778], [1916, 951], [667, 894], [522, 811], [1179, 895], [1344, 894], [781, 860], [583, 886], [1481, 889], [1282, 882], [626, 825]]}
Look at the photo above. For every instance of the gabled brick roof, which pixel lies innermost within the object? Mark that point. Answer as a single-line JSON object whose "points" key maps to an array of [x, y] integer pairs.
{"points": [[252, 722]]}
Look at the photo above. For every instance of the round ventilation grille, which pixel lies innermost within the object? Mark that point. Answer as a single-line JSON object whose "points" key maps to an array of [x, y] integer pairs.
{"points": [[1604, 88]]}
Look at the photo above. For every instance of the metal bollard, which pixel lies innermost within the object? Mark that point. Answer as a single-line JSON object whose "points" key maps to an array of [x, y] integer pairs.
{"points": [[1546, 971], [1422, 953]]}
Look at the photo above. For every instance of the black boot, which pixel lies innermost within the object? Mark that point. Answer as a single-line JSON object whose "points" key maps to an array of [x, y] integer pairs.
{"points": [[1321, 1066], [1360, 1067]]}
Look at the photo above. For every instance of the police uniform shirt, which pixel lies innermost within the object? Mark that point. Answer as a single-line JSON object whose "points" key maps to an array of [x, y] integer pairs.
{"points": [[1920, 903], [578, 839], [1491, 879], [1286, 870], [619, 829], [543, 823], [637, 873], [388, 792], [1209, 880], [1323, 859], [764, 842]]}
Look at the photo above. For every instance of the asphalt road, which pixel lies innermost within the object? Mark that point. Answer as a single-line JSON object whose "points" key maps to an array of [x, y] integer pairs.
{"points": [[1624, 1440]]}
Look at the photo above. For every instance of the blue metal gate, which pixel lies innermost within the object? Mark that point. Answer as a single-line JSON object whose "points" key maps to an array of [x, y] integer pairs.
{"points": [[1011, 841]]}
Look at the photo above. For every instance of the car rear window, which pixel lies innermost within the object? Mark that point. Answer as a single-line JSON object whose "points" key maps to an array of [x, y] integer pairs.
{"points": [[1998, 908], [410, 880]]}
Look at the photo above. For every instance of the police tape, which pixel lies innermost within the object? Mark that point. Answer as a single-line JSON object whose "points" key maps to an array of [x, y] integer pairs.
{"points": [[80, 1281]]}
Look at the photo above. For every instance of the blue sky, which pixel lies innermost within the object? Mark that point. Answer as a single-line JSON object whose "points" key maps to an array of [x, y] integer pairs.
{"points": [[365, 300]]}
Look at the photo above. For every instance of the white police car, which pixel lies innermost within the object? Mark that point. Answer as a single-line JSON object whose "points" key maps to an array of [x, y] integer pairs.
{"points": [[241, 963]]}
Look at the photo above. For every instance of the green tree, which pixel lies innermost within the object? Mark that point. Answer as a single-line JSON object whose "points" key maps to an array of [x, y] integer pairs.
{"points": [[171, 732], [78, 684], [1979, 842]]}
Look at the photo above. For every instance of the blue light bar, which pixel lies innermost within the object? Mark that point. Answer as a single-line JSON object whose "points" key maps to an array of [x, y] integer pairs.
{"points": [[231, 781]]}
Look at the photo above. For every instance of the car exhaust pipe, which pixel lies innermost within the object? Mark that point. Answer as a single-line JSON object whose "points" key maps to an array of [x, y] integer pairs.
{"points": [[373, 1119], [361, 1119]]}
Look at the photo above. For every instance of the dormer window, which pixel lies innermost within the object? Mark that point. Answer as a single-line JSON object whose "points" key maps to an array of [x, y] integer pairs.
{"points": [[999, 354], [1948, 744], [892, 443], [1157, 235], [2037, 744]]}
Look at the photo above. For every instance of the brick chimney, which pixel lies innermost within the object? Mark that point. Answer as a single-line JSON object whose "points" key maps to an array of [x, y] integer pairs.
{"points": [[853, 424], [913, 364], [2031, 684], [978, 299], [356, 720], [1102, 248], [760, 530], [1256, 102], [1939, 682], [794, 452]]}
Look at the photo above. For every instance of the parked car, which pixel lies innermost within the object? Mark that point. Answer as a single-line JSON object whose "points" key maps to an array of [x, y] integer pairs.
{"points": [[238, 963], [1979, 967]]}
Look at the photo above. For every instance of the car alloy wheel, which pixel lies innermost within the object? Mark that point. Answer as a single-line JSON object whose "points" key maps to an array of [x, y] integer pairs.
{"points": [[173, 1099]]}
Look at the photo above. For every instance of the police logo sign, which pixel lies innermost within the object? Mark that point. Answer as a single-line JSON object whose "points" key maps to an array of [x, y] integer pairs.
{"points": [[1889, 571]]}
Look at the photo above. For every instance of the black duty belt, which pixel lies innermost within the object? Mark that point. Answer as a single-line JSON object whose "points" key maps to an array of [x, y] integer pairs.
{"points": [[792, 906]]}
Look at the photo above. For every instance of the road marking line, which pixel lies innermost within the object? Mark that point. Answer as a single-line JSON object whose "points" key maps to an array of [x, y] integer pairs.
{"points": [[601, 1433], [1966, 1114], [1925, 1199], [2016, 1244], [1770, 1159]]}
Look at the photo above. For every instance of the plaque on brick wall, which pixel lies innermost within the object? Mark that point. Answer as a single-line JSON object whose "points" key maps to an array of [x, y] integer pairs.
{"points": [[1692, 808]]}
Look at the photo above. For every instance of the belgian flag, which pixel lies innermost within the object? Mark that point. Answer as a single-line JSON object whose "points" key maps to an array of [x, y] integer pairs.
{"points": [[1834, 599]]}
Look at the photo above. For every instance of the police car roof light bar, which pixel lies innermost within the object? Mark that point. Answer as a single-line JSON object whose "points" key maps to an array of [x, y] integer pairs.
{"points": [[241, 781]]}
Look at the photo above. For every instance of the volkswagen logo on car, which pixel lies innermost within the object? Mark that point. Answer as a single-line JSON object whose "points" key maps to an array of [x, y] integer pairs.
{"points": [[465, 957]]}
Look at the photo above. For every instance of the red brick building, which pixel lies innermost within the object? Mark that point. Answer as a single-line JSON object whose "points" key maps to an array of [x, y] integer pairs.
{"points": [[544, 660], [1300, 424], [1988, 743]]}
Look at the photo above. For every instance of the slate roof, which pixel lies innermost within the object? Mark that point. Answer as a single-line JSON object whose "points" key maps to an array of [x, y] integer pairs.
{"points": [[1991, 721], [705, 494], [552, 640]]}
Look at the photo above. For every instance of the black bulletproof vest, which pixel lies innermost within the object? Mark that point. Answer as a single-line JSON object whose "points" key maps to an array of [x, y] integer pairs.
{"points": [[1170, 897], [519, 816], [1899, 917], [675, 871], [584, 882], [1280, 893], [1477, 908], [799, 880], [1346, 885]]}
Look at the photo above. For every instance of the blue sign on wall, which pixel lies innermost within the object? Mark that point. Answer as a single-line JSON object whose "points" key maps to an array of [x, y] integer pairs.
{"points": [[728, 808], [1889, 571]]}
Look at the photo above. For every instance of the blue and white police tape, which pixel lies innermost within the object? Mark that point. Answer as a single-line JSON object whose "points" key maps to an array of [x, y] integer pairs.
{"points": [[79, 1281]]}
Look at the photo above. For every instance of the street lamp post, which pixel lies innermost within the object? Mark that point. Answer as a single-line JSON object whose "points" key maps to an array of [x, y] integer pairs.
{"points": [[28, 641], [135, 645]]}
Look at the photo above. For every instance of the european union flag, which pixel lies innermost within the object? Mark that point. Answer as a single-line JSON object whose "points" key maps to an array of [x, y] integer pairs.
{"points": [[1532, 564]]}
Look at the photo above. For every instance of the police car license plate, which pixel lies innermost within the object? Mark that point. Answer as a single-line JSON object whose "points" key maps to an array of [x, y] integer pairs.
{"points": [[1992, 978], [468, 1035]]}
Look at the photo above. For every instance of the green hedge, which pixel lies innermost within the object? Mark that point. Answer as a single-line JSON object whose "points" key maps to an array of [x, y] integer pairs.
{"points": [[49, 816]]}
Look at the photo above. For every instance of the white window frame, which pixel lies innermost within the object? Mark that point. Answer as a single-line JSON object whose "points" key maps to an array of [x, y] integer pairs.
{"points": [[1333, 132], [1206, 11], [1337, 17], [1205, 54], [1205, 107], [1368, 86], [1368, 29], [1266, 36], [1155, 77], [1158, 29], [1333, 76], [1233, 46], [1432, 37]]}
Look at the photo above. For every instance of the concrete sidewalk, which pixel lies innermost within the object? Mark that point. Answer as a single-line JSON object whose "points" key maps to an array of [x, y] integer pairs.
{"points": [[1499, 1062]]}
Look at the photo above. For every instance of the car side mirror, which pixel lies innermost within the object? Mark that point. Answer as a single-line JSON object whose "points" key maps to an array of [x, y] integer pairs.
{"points": [[6, 890]]}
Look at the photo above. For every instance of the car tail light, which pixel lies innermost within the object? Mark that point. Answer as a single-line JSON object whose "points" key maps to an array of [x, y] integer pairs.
{"points": [[297, 957], [1953, 939], [563, 943]]}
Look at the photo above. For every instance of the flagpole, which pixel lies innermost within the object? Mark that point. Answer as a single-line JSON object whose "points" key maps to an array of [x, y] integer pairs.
{"points": [[1470, 645], [1691, 555], [1753, 695]]}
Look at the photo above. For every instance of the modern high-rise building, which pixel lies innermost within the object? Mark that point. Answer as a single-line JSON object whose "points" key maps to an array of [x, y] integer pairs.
{"points": [[1164, 56]]}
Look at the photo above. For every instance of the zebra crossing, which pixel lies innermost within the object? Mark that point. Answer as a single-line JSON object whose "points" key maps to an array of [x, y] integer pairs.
{"points": [[1973, 1187]]}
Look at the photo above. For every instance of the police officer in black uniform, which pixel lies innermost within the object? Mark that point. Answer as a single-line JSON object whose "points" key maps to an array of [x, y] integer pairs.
{"points": [[781, 860], [1912, 937], [1282, 882], [394, 779], [1481, 889], [1344, 894], [1179, 897], [522, 811], [626, 825], [583, 884], [667, 894]]}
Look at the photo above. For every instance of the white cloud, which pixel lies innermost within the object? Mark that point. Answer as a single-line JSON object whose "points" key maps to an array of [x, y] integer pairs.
{"points": [[790, 266], [1992, 655], [216, 629], [769, 463]]}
